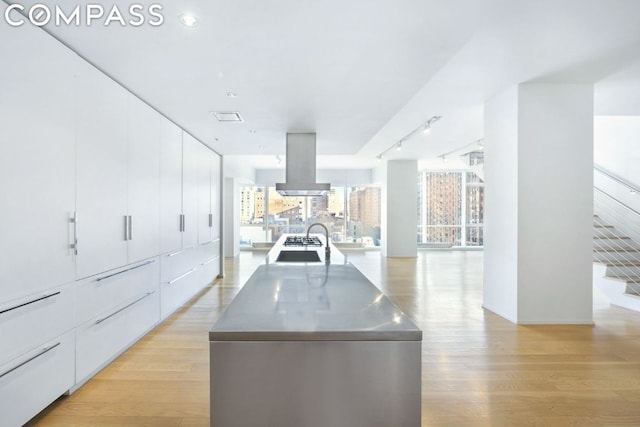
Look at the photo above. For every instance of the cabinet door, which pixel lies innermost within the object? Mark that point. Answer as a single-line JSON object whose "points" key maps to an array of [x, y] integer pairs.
{"points": [[190, 190], [101, 172], [143, 189], [216, 205], [204, 194], [170, 186], [37, 162]]}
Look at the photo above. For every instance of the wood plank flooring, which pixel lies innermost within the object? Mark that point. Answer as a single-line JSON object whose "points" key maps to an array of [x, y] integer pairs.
{"points": [[478, 369]]}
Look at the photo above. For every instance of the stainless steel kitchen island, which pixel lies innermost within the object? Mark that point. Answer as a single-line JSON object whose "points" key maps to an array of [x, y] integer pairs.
{"points": [[314, 344]]}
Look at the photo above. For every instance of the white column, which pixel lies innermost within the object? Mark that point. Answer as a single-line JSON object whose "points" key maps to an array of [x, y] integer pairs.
{"points": [[400, 209], [231, 217], [538, 204]]}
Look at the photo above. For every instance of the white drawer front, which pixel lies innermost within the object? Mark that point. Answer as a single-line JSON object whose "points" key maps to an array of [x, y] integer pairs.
{"points": [[107, 335], [175, 263], [29, 383], [177, 291], [209, 270], [100, 294], [28, 322], [209, 250]]}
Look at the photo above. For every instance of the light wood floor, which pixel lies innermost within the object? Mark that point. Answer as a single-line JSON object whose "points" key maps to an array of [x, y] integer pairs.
{"points": [[478, 369]]}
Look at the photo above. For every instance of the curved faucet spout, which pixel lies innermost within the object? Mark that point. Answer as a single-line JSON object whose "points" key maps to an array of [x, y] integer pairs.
{"points": [[327, 250]]}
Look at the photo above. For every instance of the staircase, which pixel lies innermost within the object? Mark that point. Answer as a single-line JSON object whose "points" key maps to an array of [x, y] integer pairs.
{"points": [[618, 254], [616, 237]]}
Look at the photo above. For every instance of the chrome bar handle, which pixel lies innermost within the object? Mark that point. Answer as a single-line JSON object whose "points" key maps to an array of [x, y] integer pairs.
{"points": [[209, 261], [182, 223], [74, 220], [171, 282], [99, 279], [175, 253], [126, 228], [40, 353], [130, 223], [210, 220], [102, 319], [30, 302]]}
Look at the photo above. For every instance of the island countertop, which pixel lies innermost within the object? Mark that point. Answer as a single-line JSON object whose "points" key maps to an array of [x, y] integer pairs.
{"points": [[312, 302]]}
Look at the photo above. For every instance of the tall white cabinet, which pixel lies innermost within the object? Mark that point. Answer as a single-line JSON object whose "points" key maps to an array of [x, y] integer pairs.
{"points": [[37, 165], [101, 199], [101, 208], [37, 200]]}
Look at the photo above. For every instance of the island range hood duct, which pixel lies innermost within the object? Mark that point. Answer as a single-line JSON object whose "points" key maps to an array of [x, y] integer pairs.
{"points": [[301, 167]]}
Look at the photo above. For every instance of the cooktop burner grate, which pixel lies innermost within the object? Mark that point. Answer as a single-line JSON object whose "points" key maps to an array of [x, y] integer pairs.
{"points": [[302, 241]]}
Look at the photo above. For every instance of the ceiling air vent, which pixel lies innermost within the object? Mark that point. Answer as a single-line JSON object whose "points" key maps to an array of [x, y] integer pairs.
{"points": [[227, 116]]}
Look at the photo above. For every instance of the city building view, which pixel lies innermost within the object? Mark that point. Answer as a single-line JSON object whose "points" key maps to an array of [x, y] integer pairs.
{"points": [[450, 209], [266, 215], [450, 212]]}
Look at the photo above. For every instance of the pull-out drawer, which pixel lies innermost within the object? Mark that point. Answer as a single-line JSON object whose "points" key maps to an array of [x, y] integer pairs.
{"points": [[106, 336], [178, 290], [104, 292], [209, 269], [209, 262], [175, 263], [30, 321], [30, 382]]}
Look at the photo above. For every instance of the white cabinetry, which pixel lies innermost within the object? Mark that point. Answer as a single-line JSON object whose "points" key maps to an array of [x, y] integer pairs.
{"points": [[37, 165], [118, 166], [143, 190], [99, 191], [114, 310], [32, 381], [170, 187], [190, 147], [102, 172], [209, 208]]}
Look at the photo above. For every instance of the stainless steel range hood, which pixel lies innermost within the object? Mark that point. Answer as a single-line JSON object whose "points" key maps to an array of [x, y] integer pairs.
{"points": [[301, 167]]}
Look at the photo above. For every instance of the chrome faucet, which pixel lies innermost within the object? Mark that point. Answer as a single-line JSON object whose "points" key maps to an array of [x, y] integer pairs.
{"points": [[327, 250]]}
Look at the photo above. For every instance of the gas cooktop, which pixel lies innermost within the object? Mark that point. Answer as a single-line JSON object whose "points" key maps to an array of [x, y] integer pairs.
{"points": [[302, 241]]}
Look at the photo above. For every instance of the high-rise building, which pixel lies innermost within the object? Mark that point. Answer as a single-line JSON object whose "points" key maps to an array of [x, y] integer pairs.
{"points": [[442, 204], [247, 207]]}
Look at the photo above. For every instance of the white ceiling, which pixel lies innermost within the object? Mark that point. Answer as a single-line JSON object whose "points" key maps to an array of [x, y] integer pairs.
{"points": [[361, 73]]}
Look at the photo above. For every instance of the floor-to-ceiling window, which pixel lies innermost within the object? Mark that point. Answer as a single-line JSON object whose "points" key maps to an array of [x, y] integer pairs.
{"points": [[351, 214], [450, 209]]}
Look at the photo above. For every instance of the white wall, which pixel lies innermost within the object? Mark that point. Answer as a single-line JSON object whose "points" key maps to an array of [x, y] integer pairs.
{"points": [[238, 167], [231, 217], [400, 207], [538, 205], [501, 205], [555, 203], [617, 145]]}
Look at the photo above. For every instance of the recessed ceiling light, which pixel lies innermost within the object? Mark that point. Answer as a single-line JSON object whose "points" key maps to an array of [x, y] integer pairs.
{"points": [[188, 20], [232, 95], [230, 116], [252, 131]]}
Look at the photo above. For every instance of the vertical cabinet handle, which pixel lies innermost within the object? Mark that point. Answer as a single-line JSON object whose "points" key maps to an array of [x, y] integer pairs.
{"points": [[74, 221], [130, 227], [182, 223], [127, 227], [210, 220]]}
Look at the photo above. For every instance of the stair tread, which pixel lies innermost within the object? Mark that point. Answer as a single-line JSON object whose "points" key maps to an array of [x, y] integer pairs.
{"points": [[618, 263], [628, 279], [612, 237], [629, 250]]}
